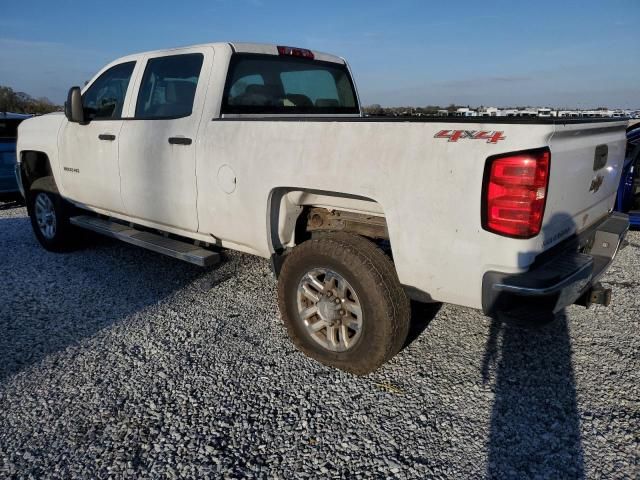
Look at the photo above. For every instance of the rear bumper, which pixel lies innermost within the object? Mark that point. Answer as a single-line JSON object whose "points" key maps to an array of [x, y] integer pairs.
{"points": [[560, 279]]}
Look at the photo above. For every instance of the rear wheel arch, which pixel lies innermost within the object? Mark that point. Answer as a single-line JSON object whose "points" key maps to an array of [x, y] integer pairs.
{"points": [[290, 212]]}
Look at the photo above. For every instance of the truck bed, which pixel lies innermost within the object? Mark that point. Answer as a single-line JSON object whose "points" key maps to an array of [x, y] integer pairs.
{"points": [[428, 187]]}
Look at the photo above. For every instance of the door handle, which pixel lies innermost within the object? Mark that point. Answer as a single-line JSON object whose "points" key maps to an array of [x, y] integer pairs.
{"points": [[179, 141], [107, 136]]}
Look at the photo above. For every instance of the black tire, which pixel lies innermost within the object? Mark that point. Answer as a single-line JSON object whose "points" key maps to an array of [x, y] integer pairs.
{"points": [[386, 310], [63, 238]]}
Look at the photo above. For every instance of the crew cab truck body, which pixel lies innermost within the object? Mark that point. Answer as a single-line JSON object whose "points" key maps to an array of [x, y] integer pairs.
{"points": [[263, 149]]}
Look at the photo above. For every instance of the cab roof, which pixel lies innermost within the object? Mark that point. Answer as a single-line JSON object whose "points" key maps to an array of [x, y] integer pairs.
{"points": [[242, 47]]}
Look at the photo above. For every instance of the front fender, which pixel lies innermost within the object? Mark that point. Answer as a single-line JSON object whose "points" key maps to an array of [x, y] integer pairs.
{"points": [[40, 134], [45, 184]]}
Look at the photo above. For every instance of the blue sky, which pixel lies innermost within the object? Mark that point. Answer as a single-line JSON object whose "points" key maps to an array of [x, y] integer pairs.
{"points": [[403, 52]]}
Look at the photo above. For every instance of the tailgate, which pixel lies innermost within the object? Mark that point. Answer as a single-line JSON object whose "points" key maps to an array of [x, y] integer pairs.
{"points": [[586, 164]]}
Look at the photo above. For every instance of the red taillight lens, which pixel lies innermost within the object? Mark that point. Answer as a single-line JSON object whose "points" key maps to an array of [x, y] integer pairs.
{"points": [[296, 52], [515, 193]]}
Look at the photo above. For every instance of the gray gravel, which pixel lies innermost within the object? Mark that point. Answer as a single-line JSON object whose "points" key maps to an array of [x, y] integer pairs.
{"points": [[120, 363]]}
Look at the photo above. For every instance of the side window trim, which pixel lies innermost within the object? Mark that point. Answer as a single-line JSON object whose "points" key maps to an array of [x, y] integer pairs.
{"points": [[129, 102]]}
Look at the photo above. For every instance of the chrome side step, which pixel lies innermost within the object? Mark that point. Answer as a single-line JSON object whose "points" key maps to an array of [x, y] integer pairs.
{"points": [[151, 241]]}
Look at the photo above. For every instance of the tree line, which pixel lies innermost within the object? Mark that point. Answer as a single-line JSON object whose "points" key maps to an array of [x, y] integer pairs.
{"points": [[377, 110], [20, 102]]}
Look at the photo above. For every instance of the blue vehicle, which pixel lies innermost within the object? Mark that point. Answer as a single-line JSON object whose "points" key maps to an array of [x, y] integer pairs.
{"points": [[628, 199], [8, 135]]}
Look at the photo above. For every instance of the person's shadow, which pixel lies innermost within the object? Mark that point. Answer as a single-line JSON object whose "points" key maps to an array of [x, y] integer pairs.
{"points": [[535, 424]]}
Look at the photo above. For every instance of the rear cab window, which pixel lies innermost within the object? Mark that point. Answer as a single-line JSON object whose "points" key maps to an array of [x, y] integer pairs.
{"points": [[270, 84]]}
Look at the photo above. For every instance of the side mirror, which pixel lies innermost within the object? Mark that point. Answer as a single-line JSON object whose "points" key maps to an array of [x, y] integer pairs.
{"points": [[73, 106]]}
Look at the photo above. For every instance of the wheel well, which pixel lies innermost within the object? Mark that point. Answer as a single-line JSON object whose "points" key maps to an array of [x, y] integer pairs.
{"points": [[297, 215], [320, 219], [35, 167]]}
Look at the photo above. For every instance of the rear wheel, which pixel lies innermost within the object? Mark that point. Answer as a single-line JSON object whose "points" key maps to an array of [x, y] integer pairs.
{"points": [[50, 220], [342, 303]]}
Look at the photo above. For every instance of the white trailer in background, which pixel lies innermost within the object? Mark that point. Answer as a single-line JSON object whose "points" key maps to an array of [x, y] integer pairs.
{"points": [[465, 112]]}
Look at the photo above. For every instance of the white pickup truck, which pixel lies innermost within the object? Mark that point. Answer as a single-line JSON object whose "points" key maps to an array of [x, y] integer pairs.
{"points": [[264, 149]]}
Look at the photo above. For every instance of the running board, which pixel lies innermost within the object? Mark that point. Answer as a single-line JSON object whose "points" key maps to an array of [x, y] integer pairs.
{"points": [[151, 241]]}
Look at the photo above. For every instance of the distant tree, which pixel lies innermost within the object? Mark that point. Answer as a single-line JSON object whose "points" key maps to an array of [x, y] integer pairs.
{"points": [[431, 109], [20, 102], [8, 100], [374, 109]]}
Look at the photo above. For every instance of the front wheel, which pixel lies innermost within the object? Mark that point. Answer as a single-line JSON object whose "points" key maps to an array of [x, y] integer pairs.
{"points": [[50, 220], [342, 302]]}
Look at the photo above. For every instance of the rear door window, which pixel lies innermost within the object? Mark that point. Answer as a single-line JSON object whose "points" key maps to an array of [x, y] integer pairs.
{"points": [[269, 84], [168, 86]]}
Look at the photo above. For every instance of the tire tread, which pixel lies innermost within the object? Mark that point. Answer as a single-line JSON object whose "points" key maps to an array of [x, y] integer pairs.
{"points": [[362, 257]]}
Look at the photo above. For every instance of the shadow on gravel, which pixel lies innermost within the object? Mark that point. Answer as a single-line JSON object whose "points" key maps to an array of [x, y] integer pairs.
{"points": [[10, 205], [49, 302], [535, 424], [421, 316]]}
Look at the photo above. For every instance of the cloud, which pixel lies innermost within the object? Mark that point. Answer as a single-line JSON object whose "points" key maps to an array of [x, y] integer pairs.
{"points": [[581, 85], [535, 90], [252, 3], [478, 82]]}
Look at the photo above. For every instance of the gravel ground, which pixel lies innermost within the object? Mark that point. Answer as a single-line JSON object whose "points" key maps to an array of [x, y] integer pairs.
{"points": [[120, 363]]}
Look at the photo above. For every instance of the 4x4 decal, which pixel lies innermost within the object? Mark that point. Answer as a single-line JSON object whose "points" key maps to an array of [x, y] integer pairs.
{"points": [[455, 135]]}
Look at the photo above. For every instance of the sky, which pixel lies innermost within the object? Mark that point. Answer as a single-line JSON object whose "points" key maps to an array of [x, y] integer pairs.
{"points": [[561, 53]]}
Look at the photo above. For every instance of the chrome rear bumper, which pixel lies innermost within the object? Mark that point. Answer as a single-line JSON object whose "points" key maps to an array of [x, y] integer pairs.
{"points": [[563, 278]]}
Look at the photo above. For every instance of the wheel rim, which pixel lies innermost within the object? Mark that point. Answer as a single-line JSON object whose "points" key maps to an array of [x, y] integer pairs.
{"points": [[45, 216], [329, 309]]}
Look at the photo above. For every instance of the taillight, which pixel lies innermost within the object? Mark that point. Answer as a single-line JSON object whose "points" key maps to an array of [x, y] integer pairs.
{"points": [[515, 193], [296, 52]]}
